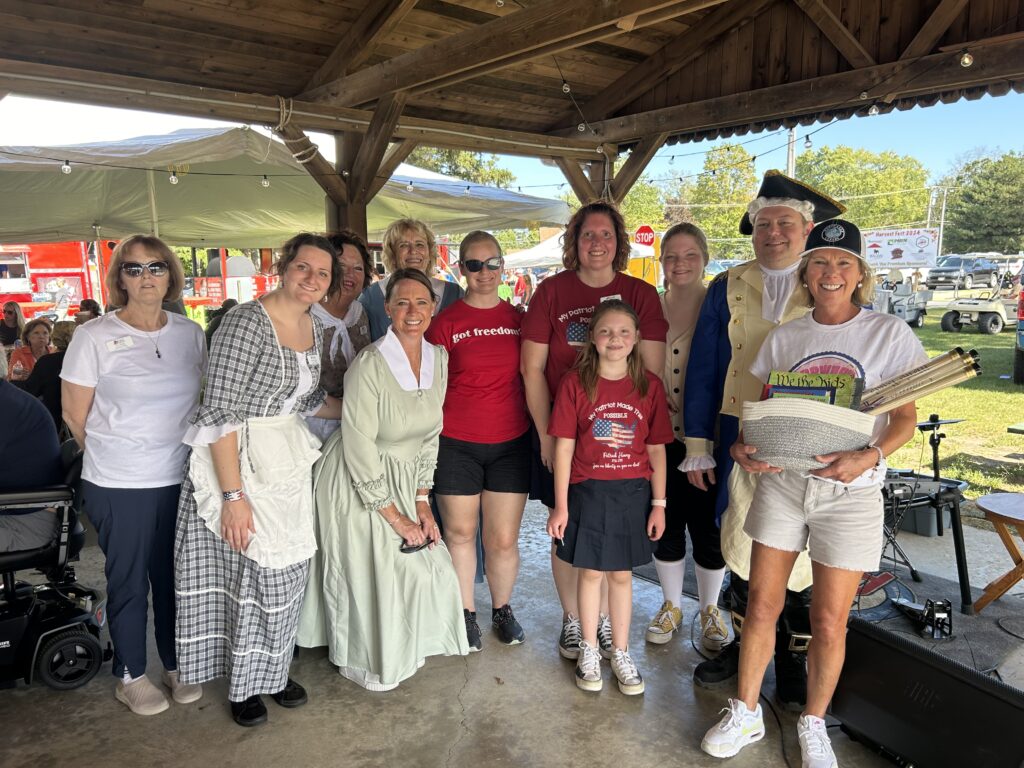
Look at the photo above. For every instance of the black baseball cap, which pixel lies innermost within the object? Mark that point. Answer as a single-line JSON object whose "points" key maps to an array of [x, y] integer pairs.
{"points": [[836, 233]]}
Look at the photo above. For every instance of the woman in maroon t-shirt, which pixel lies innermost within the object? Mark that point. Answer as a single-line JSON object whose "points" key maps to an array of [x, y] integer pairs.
{"points": [[595, 250], [483, 458]]}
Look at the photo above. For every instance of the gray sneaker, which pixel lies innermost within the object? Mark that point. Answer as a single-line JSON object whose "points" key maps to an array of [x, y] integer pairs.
{"points": [[630, 681], [588, 668], [569, 640], [604, 636]]}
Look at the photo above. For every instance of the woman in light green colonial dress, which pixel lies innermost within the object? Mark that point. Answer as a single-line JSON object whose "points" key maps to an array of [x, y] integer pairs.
{"points": [[382, 611]]}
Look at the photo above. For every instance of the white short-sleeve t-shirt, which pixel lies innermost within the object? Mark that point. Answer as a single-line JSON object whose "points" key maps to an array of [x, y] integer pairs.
{"points": [[871, 346], [142, 401]]}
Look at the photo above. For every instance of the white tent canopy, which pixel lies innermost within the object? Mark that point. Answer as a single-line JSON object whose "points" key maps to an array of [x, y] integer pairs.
{"points": [[119, 188], [548, 253]]}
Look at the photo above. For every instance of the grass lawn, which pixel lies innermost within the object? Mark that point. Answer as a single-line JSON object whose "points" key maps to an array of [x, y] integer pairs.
{"points": [[979, 450]]}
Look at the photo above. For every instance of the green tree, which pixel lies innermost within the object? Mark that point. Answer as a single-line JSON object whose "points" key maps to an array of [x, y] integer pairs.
{"points": [[471, 166], [717, 198], [983, 209], [879, 189]]}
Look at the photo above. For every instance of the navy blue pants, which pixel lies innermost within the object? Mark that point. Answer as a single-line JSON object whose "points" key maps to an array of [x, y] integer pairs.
{"points": [[136, 533]]}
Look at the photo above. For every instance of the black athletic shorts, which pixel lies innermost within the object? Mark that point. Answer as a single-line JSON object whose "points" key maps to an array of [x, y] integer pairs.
{"points": [[466, 469]]}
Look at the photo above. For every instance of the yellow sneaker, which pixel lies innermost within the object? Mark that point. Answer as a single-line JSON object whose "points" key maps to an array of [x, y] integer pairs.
{"points": [[713, 632], [664, 624]]}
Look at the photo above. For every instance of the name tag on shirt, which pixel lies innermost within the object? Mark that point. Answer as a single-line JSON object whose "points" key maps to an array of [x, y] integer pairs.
{"points": [[116, 345], [617, 296]]}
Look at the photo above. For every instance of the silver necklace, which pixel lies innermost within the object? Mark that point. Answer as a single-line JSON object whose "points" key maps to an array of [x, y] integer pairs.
{"points": [[156, 342]]}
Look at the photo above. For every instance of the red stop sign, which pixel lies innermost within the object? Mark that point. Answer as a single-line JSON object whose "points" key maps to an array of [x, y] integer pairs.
{"points": [[644, 236]]}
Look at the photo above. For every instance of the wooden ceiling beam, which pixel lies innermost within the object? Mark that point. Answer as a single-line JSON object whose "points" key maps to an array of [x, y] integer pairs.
{"points": [[547, 27], [395, 155], [577, 179], [127, 92], [672, 57], [316, 165], [355, 46], [938, 73], [635, 164], [837, 33], [375, 143], [933, 29]]}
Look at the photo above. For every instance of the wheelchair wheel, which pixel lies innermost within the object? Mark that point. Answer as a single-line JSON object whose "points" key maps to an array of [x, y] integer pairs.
{"points": [[69, 659]]}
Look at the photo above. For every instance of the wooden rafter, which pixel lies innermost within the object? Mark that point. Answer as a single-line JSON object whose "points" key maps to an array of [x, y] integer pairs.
{"points": [[375, 142], [393, 157], [634, 166], [354, 47], [315, 164], [837, 33], [577, 179], [67, 84], [939, 72], [932, 30], [543, 28], [672, 57]]}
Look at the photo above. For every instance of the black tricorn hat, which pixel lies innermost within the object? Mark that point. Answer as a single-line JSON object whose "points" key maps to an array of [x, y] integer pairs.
{"points": [[779, 185]]}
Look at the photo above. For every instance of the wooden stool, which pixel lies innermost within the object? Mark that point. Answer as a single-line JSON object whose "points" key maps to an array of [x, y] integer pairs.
{"points": [[1003, 510]]}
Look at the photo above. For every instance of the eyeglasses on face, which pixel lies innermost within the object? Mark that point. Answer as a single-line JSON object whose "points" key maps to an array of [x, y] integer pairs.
{"points": [[475, 265], [134, 269]]}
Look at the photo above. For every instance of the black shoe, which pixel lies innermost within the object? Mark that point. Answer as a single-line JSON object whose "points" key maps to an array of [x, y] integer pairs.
{"points": [[249, 712], [791, 680], [506, 627], [293, 695], [472, 631], [719, 671]]}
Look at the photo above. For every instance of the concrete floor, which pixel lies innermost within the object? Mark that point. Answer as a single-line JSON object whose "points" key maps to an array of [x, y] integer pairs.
{"points": [[505, 706]]}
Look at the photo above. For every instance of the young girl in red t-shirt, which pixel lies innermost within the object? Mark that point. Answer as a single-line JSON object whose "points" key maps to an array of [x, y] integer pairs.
{"points": [[611, 424]]}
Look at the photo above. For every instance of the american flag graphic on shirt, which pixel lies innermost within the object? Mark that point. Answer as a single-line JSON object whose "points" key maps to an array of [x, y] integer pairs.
{"points": [[576, 333], [613, 433]]}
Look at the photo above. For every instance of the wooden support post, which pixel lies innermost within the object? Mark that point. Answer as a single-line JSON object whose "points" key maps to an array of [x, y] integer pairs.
{"points": [[316, 165], [630, 171], [600, 172], [352, 214], [577, 179], [375, 142]]}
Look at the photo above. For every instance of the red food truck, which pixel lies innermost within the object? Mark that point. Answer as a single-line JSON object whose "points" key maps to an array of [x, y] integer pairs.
{"points": [[52, 278]]}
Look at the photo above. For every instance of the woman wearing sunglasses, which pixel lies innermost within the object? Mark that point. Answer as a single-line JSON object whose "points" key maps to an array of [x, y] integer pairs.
{"points": [[130, 381], [381, 595], [12, 325], [483, 459], [408, 244]]}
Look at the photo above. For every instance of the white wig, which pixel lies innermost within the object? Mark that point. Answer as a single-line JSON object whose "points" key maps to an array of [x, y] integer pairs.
{"points": [[804, 207]]}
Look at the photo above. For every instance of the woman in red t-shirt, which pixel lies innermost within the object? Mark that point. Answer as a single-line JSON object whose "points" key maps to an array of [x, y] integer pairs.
{"points": [[595, 250], [483, 459]]}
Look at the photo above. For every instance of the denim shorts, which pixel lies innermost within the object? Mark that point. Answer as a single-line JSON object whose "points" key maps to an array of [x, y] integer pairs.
{"points": [[840, 525]]}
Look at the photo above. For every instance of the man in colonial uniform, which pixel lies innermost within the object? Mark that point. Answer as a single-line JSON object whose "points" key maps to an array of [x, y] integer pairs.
{"points": [[741, 306]]}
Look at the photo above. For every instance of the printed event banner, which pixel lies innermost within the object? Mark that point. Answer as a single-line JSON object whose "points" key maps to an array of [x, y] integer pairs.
{"points": [[904, 248]]}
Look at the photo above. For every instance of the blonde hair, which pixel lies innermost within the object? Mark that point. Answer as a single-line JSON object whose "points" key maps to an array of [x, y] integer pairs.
{"points": [[588, 364], [61, 335], [18, 314], [863, 294], [156, 249], [393, 236]]}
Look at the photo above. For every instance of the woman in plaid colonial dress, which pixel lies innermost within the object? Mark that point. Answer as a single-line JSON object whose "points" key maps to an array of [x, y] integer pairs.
{"points": [[245, 517]]}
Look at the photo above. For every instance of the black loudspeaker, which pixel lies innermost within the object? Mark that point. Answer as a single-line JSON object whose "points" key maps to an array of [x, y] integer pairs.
{"points": [[923, 709]]}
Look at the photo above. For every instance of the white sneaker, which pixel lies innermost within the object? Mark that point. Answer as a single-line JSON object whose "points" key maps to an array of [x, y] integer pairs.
{"points": [[569, 640], [664, 624], [588, 668], [738, 728], [714, 633], [815, 747], [141, 696], [604, 636], [630, 681], [182, 693]]}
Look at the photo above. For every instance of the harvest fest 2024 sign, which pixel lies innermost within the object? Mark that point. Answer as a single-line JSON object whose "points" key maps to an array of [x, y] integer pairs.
{"points": [[903, 248]]}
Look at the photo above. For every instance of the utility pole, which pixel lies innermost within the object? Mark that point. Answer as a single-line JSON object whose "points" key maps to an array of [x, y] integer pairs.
{"points": [[791, 154], [942, 218]]}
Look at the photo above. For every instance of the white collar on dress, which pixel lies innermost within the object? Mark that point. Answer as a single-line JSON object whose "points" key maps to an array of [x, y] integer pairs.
{"points": [[391, 350]]}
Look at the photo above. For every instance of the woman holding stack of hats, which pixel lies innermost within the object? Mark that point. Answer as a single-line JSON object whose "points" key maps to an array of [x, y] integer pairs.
{"points": [[835, 511]]}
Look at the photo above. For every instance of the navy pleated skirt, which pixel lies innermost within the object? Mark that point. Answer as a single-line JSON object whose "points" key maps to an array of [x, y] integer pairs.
{"points": [[607, 528]]}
